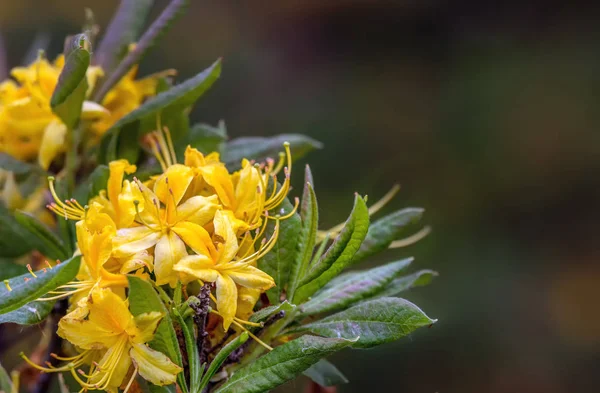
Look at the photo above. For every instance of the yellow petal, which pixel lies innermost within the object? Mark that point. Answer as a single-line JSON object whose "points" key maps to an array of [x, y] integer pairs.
{"points": [[198, 209], [93, 111], [224, 229], [129, 241], [53, 143], [226, 299], [196, 237], [117, 169], [139, 260], [193, 158], [171, 186], [169, 250], [250, 277], [199, 266], [217, 176], [247, 298], [146, 324], [154, 366], [107, 319]]}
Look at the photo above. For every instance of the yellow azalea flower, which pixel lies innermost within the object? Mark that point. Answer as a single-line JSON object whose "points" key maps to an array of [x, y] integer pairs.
{"points": [[28, 126], [244, 193], [168, 224], [121, 196], [106, 332], [219, 265], [126, 96]]}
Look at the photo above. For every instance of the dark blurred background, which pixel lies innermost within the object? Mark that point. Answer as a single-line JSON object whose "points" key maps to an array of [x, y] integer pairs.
{"points": [[485, 113]]}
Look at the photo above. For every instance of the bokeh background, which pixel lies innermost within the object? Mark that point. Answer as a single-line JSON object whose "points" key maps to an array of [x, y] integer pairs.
{"points": [[485, 113]]}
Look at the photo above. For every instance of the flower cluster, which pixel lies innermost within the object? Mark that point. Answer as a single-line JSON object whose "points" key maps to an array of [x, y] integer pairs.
{"points": [[194, 221], [28, 127]]}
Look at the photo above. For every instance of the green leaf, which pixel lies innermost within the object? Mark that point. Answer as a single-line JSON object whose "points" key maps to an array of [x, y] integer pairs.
{"points": [[278, 262], [24, 291], [124, 29], [222, 356], [339, 254], [325, 374], [5, 382], [401, 284], [41, 237], [306, 240], [385, 230], [282, 364], [69, 93], [18, 167], [14, 240], [143, 298], [192, 352], [30, 314], [260, 148], [358, 286], [150, 37], [96, 182], [165, 103], [204, 137], [375, 322], [265, 313]]}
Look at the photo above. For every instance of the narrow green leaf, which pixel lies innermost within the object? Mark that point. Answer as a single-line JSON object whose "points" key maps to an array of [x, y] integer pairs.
{"points": [[340, 253], [359, 286], [69, 93], [401, 284], [124, 29], [282, 364], [193, 355], [264, 313], [165, 103], [204, 137], [375, 322], [41, 237], [309, 215], [18, 167], [385, 230], [222, 356], [14, 240], [150, 37], [260, 148], [325, 374], [5, 382], [30, 314], [278, 262], [143, 298], [24, 291]]}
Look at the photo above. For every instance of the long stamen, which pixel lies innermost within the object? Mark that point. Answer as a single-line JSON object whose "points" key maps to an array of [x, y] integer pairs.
{"points": [[70, 209], [258, 340], [411, 239], [169, 140]]}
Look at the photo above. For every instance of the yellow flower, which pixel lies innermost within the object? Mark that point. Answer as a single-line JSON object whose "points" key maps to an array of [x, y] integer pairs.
{"points": [[28, 126], [119, 199], [113, 340], [244, 192], [126, 96], [168, 224], [219, 264]]}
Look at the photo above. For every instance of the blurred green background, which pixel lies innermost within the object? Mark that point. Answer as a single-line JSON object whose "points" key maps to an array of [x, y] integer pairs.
{"points": [[484, 112]]}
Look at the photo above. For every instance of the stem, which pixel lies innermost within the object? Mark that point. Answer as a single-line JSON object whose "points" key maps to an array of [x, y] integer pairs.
{"points": [[200, 316], [55, 346], [147, 40], [71, 161]]}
